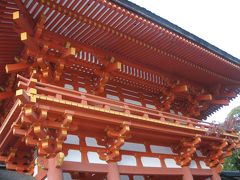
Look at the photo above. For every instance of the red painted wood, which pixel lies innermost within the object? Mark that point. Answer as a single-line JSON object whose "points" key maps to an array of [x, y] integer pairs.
{"points": [[113, 173], [54, 173]]}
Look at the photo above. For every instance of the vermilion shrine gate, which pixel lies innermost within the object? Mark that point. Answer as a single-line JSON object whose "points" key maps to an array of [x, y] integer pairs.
{"points": [[98, 89]]}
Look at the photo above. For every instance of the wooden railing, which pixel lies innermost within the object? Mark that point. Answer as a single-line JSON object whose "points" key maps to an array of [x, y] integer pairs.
{"points": [[101, 102]]}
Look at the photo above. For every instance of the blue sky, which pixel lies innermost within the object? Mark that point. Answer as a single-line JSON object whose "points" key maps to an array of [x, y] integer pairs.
{"points": [[216, 21]]}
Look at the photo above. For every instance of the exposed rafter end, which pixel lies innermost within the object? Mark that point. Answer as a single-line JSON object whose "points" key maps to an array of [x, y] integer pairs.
{"points": [[180, 89], [23, 36], [16, 15], [204, 97], [12, 68]]}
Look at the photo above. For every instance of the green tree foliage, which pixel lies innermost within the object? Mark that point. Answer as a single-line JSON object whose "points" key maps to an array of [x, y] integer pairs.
{"points": [[234, 112], [232, 163]]}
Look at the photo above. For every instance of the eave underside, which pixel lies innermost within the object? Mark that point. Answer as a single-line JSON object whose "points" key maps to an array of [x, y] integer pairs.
{"points": [[125, 35]]}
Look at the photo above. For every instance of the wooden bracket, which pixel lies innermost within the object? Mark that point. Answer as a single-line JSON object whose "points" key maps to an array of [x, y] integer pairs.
{"points": [[217, 153], [186, 150], [105, 74], [115, 139]]}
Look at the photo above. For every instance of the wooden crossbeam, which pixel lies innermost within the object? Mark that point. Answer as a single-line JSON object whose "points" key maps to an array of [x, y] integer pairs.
{"points": [[12, 68]]}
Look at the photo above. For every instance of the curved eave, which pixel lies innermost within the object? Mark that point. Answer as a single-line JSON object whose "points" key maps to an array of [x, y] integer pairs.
{"points": [[165, 23]]}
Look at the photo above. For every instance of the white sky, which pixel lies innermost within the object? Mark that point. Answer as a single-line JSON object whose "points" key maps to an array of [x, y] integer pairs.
{"points": [[216, 21]]}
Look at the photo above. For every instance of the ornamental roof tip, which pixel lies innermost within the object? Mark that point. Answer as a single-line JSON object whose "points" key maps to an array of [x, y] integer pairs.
{"points": [[167, 24]]}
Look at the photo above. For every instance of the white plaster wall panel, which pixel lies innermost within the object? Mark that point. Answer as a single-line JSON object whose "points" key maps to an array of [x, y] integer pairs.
{"points": [[150, 162], [128, 160], [203, 165], [199, 153], [93, 157], [83, 90], [172, 111], [193, 164], [74, 156], [67, 176], [137, 177], [180, 114], [171, 163], [72, 139], [92, 142], [68, 86], [35, 170], [130, 101], [133, 147], [150, 106], [109, 96], [124, 177], [161, 149]]}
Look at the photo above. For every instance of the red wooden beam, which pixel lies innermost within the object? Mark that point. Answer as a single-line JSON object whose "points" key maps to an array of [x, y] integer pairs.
{"points": [[5, 95], [12, 68], [84, 167]]}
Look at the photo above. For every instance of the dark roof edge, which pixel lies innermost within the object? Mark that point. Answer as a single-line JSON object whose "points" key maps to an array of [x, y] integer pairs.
{"points": [[165, 23]]}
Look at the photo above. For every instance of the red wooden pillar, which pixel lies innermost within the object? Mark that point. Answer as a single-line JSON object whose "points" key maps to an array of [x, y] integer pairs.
{"points": [[187, 175], [113, 173], [54, 173], [215, 174]]}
